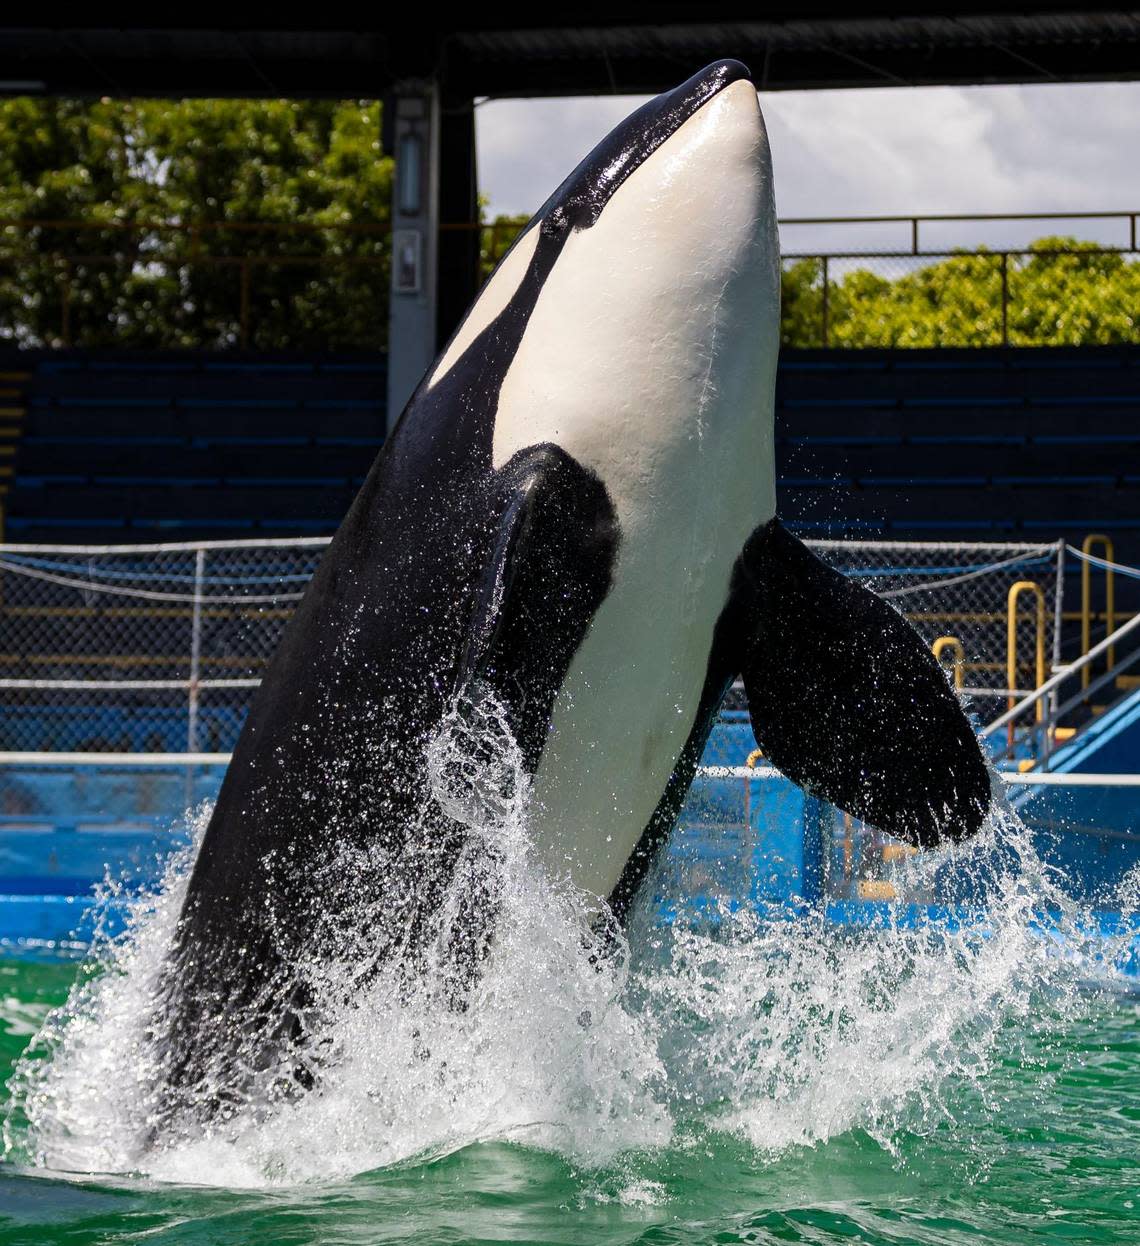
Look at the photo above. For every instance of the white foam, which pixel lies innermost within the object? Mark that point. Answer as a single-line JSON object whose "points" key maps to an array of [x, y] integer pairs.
{"points": [[785, 1033]]}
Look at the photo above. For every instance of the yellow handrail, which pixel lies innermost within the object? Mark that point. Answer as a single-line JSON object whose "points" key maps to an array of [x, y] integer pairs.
{"points": [[1024, 586], [958, 656], [1097, 538], [750, 762]]}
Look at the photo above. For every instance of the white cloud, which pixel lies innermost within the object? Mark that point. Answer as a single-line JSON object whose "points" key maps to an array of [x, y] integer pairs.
{"points": [[526, 147], [1065, 147]]}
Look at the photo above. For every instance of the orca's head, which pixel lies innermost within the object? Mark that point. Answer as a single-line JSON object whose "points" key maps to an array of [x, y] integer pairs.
{"points": [[580, 200], [646, 285]]}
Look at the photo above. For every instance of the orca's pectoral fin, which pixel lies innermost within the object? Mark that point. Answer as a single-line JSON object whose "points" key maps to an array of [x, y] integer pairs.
{"points": [[552, 555], [847, 700]]}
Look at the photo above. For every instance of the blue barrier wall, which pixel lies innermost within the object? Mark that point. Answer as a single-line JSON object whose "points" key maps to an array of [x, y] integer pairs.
{"points": [[756, 841], [738, 840]]}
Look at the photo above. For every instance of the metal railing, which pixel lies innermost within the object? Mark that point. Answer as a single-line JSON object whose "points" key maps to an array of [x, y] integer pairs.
{"points": [[158, 647], [93, 279], [1004, 267], [1045, 701], [995, 326], [835, 264], [994, 321], [915, 222], [207, 279], [68, 277]]}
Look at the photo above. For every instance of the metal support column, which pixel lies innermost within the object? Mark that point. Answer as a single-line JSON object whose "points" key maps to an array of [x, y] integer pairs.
{"points": [[458, 278], [415, 239]]}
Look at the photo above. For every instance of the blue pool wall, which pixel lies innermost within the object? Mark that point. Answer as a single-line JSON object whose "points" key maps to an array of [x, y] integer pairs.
{"points": [[756, 841], [63, 831]]}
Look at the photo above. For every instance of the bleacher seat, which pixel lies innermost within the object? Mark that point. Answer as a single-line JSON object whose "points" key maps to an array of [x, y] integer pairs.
{"points": [[1011, 444], [154, 447], [948, 444]]}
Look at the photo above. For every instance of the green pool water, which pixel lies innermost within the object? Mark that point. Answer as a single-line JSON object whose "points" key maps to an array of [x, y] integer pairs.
{"points": [[1041, 1146]]}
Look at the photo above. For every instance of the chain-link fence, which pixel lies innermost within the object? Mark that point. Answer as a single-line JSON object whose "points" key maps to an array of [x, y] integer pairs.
{"points": [[847, 282], [958, 598], [157, 648], [148, 648], [1059, 292]]}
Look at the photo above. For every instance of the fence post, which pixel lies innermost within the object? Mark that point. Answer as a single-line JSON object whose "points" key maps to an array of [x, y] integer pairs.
{"points": [[1058, 622], [244, 311], [65, 305], [195, 652], [1005, 298], [825, 307], [914, 235]]}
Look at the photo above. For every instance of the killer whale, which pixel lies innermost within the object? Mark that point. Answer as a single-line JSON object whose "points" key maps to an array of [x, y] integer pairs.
{"points": [[576, 515]]}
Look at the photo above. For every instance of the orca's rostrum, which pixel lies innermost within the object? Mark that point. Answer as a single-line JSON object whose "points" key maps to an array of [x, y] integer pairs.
{"points": [[576, 514]]}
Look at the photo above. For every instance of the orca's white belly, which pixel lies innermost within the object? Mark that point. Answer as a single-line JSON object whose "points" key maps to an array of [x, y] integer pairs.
{"points": [[631, 364], [630, 698]]}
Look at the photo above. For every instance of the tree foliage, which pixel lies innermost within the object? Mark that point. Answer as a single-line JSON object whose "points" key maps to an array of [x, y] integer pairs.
{"points": [[497, 237], [275, 235], [307, 169], [1060, 292]]}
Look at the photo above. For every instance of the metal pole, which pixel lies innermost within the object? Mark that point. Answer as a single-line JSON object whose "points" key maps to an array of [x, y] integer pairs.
{"points": [[1087, 613], [1024, 586], [195, 652], [825, 325], [1005, 298], [1058, 618], [195, 671], [245, 303], [412, 299], [914, 235]]}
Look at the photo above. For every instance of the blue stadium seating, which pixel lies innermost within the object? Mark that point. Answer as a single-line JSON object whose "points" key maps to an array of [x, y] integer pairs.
{"points": [[1004, 444], [130, 447], [948, 444]]}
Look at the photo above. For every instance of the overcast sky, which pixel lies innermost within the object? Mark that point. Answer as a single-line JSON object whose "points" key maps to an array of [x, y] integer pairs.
{"points": [[1069, 147]]}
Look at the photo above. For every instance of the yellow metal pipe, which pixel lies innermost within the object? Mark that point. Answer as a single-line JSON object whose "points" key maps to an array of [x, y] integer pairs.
{"points": [[958, 656], [751, 761], [1016, 590], [1097, 538]]}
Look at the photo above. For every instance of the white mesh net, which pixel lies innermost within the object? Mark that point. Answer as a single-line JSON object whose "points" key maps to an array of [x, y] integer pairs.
{"points": [[140, 648], [158, 648]]}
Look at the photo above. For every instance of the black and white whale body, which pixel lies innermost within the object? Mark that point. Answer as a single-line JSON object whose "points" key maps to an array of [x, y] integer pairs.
{"points": [[576, 513]]}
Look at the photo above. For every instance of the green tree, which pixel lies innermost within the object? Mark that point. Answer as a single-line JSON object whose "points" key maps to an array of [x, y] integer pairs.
{"points": [[1069, 293], [266, 223], [1061, 291], [208, 170], [497, 238], [801, 305]]}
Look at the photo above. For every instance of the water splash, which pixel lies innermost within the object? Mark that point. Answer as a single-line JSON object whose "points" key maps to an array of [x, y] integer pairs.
{"points": [[802, 1030], [781, 1032]]}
